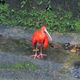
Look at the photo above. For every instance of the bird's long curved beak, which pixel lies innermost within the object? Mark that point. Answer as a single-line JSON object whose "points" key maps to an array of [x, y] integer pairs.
{"points": [[50, 38]]}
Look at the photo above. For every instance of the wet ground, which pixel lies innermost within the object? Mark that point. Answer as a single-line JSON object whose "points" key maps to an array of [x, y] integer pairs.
{"points": [[15, 48]]}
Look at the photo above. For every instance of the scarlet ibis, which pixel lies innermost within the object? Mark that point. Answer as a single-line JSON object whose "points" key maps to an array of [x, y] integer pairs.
{"points": [[40, 37]]}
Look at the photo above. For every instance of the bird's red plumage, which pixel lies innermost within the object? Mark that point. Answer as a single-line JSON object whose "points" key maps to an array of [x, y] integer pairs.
{"points": [[40, 37]]}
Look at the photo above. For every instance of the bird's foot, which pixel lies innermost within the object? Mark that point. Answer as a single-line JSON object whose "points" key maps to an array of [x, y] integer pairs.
{"points": [[34, 55], [41, 55]]}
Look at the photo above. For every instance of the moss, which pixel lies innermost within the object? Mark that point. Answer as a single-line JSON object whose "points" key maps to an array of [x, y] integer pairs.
{"points": [[19, 66]]}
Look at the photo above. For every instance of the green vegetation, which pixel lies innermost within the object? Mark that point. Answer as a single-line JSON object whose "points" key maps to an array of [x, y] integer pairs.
{"points": [[56, 20], [19, 66]]}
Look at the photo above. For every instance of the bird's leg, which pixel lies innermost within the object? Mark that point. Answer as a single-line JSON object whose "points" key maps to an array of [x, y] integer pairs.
{"points": [[41, 55], [35, 50], [36, 53]]}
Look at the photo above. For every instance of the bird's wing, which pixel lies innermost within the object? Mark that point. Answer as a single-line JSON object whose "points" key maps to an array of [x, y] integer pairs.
{"points": [[33, 39], [45, 42]]}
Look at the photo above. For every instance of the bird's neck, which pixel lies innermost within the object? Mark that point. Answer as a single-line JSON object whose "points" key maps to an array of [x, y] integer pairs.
{"points": [[42, 30]]}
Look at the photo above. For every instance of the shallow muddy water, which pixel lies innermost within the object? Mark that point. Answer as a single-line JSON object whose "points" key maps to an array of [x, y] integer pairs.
{"points": [[58, 61], [24, 47]]}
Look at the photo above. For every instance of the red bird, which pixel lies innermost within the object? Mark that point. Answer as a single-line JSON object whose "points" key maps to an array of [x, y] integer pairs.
{"points": [[40, 37]]}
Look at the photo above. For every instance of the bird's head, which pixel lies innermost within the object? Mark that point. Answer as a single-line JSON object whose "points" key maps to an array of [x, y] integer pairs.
{"points": [[43, 28]]}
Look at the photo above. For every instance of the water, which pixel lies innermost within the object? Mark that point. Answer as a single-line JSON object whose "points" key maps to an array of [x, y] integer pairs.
{"points": [[24, 47], [16, 46], [58, 63]]}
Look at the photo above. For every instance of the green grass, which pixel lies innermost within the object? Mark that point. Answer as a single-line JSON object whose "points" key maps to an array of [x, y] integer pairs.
{"points": [[56, 20], [19, 66]]}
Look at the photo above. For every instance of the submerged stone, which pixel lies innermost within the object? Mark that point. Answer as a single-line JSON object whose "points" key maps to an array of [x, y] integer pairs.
{"points": [[76, 70]]}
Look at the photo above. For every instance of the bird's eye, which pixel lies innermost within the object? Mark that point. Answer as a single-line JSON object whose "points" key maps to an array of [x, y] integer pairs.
{"points": [[44, 32]]}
